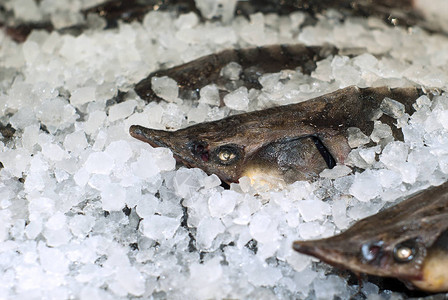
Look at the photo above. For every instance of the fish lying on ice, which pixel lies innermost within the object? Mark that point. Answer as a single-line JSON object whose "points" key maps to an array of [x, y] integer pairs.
{"points": [[408, 241], [407, 13], [282, 144], [194, 75]]}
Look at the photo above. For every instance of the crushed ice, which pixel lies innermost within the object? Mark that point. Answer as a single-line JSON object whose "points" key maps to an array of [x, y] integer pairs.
{"points": [[88, 212]]}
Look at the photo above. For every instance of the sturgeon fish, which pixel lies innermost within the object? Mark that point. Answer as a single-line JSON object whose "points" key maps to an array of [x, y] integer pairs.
{"points": [[194, 75], [280, 145], [408, 241]]}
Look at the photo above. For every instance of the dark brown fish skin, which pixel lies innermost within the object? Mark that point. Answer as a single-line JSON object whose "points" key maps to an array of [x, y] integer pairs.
{"points": [[403, 13], [420, 221], [247, 135], [400, 12], [135, 10], [255, 61], [113, 11]]}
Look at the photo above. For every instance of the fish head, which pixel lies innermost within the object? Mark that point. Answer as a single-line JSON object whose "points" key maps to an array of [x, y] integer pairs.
{"points": [[232, 148], [408, 241], [211, 148], [373, 249]]}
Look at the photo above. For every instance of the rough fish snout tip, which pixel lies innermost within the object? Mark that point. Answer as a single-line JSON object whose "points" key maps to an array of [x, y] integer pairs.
{"points": [[303, 247], [134, 130], [154, 137], [139, 132]]}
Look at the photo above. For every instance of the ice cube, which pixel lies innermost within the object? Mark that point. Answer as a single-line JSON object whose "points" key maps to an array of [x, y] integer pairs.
{"points": [[311, 210], [198, 114], [261, 274], [186, 182], [83, 95], [339, 212], [80, 225], [238, 99], [206, 278], [26, 10], [120, 151], [146, 206], [131, 280], [366, 186], [356, 137], [75, 142], [231, 71], [94, 121], [298, 261], [394, 154], [222, 204], [113, 197], [99, 163], [209, 95], [263, 228], [53, 152], [380, 131], [207, 231], [211, 181], [330, 287], [165, 87], [146, 166], [31, 51], [53, 260], [335, 172], [122, 110], [81, 177], [369, 154], [392, 108], [159, 227]]}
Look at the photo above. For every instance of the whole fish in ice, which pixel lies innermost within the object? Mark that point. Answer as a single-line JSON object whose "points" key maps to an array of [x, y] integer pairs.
{"points": [[408, 241], [194, 75], [428, 15], [431, 17], [283, 144]]}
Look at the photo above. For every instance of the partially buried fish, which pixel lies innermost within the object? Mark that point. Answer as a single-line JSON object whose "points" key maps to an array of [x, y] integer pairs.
{"points": [[282, 144], [192, 76], [408, 241]]}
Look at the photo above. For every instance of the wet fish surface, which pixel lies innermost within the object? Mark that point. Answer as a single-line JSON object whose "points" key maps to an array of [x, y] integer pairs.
{"points": [[400, 12], [194, 75], [113, 12], [408, 241], [405, 13], [282, 144], [134, 10]]}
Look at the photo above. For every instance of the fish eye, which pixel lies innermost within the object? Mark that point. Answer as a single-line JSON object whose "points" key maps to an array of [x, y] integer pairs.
{"points": [[405, 252], [370, 251], [227, 155]]}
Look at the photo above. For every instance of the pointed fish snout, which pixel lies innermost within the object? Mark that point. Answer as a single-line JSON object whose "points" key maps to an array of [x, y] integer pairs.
{"points": [[308, 248], [302, 247], [323, 249], [154, 137]]}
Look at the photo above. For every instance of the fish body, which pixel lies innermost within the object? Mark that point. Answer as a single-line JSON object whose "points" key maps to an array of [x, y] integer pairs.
{"points": [[194, 75], [408, 241], [286, 143]]}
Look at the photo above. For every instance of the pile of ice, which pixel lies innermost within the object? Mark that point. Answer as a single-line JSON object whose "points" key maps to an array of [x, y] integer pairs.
{"points": [[88, 212]]}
